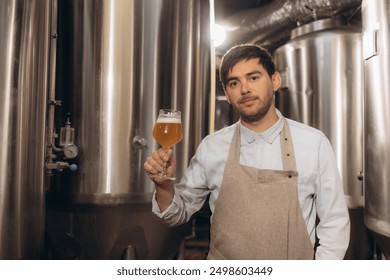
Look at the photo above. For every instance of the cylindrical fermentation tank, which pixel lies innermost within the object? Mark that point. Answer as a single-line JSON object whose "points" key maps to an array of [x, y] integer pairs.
{"points": [[118, 63], [81, 83], [376, 53], [24, 67], [322, 73], [322, 86]]}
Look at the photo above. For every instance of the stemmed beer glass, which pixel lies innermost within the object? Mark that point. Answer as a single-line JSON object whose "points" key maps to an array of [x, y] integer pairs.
{"points": [[167, 132]]}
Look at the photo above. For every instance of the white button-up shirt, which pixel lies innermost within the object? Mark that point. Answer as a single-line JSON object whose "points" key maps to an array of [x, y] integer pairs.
{"points": [[320, 190]]}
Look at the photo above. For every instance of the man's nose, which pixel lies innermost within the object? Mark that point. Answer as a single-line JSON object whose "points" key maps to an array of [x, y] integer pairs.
{"points": [[245, 88]]}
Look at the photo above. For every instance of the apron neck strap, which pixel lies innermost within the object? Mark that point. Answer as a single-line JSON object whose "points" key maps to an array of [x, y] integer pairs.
{"points": [[287, 148]]}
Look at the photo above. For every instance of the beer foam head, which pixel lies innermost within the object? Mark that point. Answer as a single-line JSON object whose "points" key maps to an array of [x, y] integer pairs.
{"points": [[168, 120]]}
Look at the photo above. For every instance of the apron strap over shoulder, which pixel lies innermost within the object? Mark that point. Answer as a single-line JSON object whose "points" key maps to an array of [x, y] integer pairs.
{"points": [[287, 151]]}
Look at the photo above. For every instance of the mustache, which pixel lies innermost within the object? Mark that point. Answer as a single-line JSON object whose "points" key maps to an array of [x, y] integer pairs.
{"points": [[246, 98]]}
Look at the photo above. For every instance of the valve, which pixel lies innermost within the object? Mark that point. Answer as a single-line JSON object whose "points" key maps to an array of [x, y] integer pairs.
{"points": [[360, 175], [140, 142], [61, 165]]}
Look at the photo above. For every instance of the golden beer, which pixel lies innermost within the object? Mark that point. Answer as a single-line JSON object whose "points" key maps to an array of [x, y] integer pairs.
{"points": [[167, 132]]}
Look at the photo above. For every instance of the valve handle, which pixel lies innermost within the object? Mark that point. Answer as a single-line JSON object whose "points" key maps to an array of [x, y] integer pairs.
{"points": [[73, 167]]}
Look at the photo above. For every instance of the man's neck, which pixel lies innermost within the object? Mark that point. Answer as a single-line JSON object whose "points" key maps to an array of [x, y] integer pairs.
{"points": [[263, 124]]}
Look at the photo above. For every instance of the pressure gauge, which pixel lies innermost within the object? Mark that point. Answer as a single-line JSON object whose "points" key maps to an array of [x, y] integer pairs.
{"points": [[71, 151]]}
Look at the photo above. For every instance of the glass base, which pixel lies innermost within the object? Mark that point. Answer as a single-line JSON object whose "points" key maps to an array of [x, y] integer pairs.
{"points": [[162, 177]]}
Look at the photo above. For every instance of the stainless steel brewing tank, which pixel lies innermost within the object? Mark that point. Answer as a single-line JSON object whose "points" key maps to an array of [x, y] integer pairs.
{"points": [[118, 63], [376, 40], [24, 56], [322, 86]]}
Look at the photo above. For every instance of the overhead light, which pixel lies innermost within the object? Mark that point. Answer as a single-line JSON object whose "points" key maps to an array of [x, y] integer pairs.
{"points": [[218, 35]]}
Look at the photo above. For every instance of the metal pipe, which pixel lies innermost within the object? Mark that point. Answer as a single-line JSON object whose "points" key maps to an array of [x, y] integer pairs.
{"points": [[52, 103], [51, 149], [272, 23]]}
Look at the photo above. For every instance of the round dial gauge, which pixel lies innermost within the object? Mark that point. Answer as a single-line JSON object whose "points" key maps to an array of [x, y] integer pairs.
{"points": [[71, 151]]}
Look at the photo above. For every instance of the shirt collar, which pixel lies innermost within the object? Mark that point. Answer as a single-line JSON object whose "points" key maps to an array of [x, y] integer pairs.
{"points": [[269, 135]]}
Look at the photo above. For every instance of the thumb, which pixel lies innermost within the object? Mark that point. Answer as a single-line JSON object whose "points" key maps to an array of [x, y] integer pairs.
{"points": [[171, 167], [171, 163]]}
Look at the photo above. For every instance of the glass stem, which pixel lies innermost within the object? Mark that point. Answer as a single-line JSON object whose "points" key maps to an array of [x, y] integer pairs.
{"points": [[164, 172]]}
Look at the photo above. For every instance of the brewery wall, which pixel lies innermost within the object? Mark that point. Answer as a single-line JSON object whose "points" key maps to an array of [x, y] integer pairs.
{"points": [[81, 83]]}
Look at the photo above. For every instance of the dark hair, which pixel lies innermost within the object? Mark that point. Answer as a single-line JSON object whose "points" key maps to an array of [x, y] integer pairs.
{"points": [[245, 52]]}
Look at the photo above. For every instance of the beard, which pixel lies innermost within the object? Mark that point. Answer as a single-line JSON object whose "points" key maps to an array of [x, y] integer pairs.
{"points": [[259, 114]]}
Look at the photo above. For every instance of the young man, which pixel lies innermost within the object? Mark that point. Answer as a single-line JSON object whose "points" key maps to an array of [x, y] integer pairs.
{"points": [[268, 177]]}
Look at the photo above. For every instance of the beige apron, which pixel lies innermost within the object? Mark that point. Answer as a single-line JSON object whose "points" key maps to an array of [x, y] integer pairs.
{"points": [[257, 214]]}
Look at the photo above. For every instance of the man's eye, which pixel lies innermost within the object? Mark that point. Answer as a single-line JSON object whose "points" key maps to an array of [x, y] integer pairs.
{"points": [[233, 84], [254, 78]]}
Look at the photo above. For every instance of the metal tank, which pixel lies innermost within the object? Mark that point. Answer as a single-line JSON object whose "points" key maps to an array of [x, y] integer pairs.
{"points": [[24, 68], [322, 73], [119, 62], [376, 40]]}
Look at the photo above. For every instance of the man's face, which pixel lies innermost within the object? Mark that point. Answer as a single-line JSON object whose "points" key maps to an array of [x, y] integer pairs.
{"points": [[250, 89]]}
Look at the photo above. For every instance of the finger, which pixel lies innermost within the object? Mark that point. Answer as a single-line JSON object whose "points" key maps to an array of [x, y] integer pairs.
{"points": [[153, 164], [169, 152], [161, 158], [158, 157], [171, 167], [157, 166], [149, 168], [165, 155]]}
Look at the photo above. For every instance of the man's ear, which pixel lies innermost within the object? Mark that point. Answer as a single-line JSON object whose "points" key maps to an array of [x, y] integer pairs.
{"points": [[276, 80]]}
